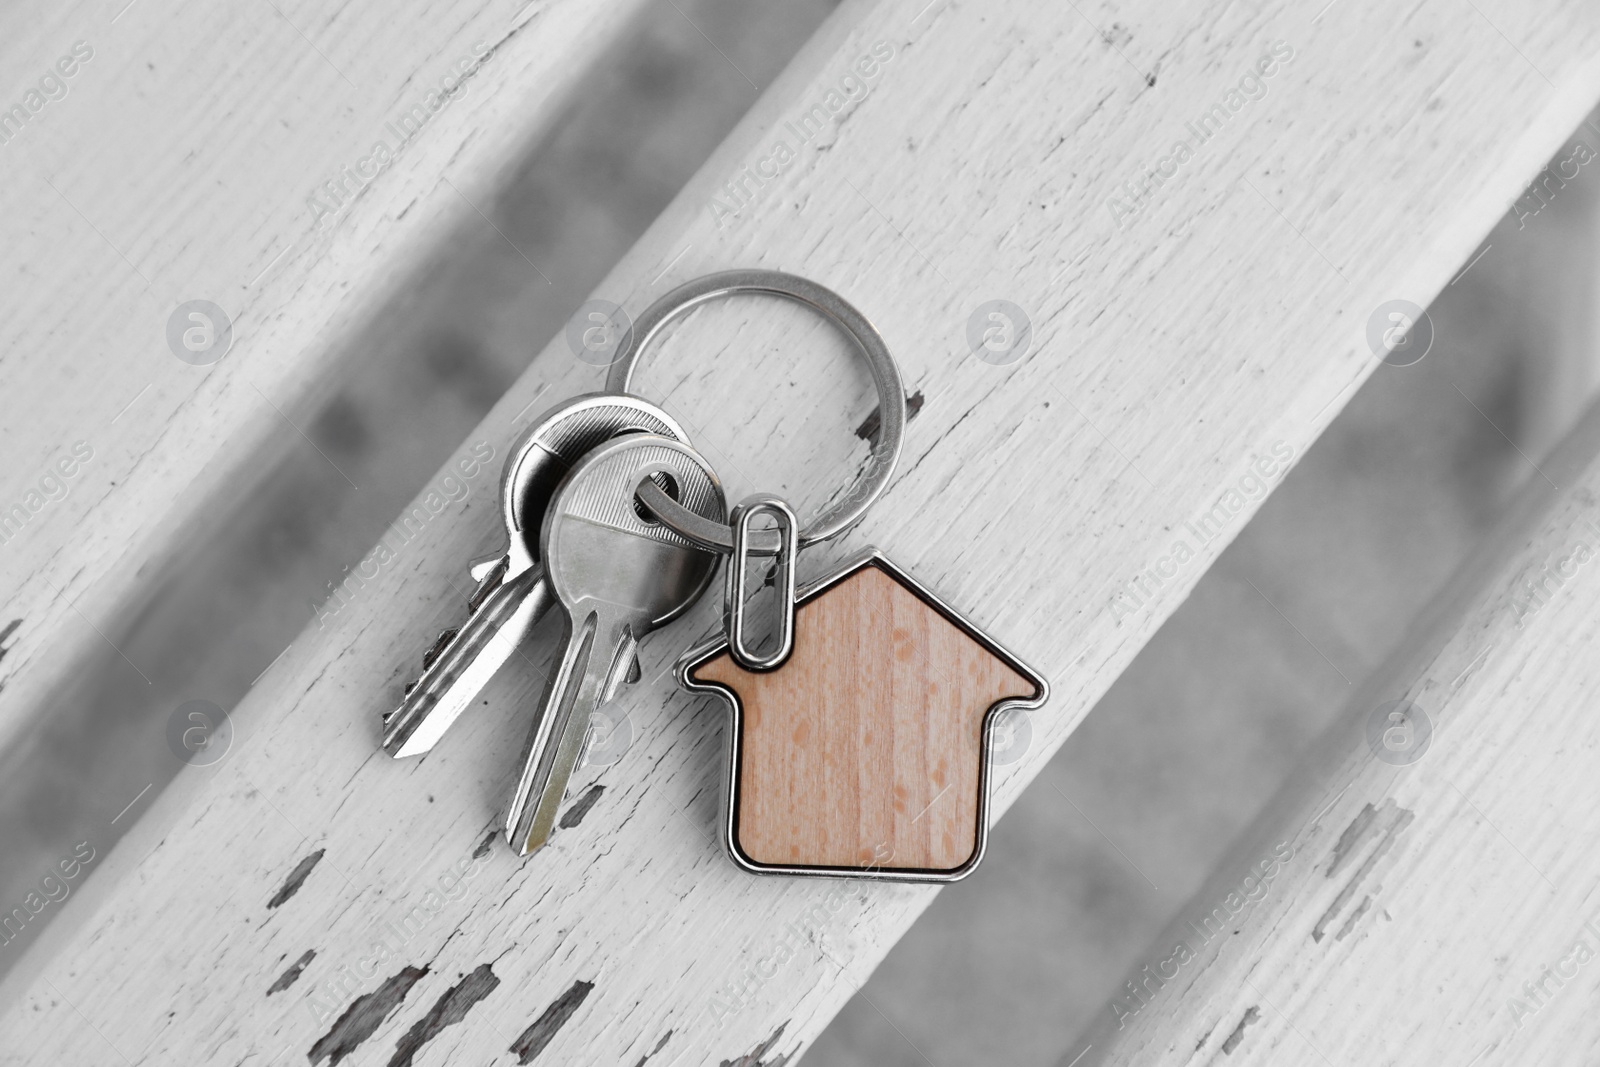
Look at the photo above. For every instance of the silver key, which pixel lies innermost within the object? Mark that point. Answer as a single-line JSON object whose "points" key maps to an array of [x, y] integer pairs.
{"points": [[618, 576], [512, 593]]}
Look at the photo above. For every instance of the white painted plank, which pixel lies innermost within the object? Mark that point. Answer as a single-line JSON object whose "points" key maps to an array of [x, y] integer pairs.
{"points": [[1216, 328], [1440, 904], [228, 154]]}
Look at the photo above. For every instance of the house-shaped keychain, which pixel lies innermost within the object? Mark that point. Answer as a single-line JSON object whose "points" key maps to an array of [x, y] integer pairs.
{"points": [[866, 753]]}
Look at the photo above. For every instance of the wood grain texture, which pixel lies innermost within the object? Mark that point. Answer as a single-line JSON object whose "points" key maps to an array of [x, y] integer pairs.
{"points": [[1440, 905], [865, 749], [1225, 320], [226, 154]]}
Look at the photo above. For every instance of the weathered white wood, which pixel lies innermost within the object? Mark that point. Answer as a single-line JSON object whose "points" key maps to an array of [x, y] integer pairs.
{"points": [[181, 164], [1422, 902], [1208, 336]]}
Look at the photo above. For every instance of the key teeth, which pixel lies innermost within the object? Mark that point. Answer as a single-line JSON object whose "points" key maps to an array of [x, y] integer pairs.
{"points": [[494, 572], [488, 584], [438, 647]]}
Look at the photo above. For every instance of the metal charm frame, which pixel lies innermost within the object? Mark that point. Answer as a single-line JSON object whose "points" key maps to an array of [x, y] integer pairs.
{"points": [[729, 805]]}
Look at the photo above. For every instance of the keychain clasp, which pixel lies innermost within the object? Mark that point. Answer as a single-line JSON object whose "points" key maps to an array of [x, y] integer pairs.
{"points": [[736, 586]]}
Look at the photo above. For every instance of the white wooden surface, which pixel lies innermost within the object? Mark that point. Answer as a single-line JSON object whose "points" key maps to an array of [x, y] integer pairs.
{"points": [[1445, 910], [181, 164], [1219, 325]]}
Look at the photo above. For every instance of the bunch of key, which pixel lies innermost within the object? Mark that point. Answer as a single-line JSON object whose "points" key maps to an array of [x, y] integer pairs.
{"points": [[611, 513], [578, 536]]}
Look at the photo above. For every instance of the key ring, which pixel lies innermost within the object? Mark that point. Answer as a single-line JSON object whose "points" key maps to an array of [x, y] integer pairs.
{"points": [[844, 514]]}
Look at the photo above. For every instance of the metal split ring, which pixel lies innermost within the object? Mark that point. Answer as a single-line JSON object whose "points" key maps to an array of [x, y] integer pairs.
{"points": [[850, 508]]}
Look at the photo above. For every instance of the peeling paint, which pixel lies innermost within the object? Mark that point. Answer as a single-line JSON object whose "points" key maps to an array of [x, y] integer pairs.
{"points": [[754, 1058], [483, 849], [292, 975], [1401, 819], [11, 628], [1251, 1014], [364, 1015], [448, 1010], [1351, 839], [1355, 916], [580, 808], [659, 1046], [869, 426], [297, 878], [533, 1040]]}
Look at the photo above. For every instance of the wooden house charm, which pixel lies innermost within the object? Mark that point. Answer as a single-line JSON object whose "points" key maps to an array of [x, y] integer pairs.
{"points": [[866, 753]]}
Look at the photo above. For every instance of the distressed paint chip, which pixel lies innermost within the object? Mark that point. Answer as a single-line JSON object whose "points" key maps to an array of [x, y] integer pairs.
{"points": [[292, 975], [869, 425], [4, 636], [753, 1059], [533, 1040], [297, 878], [1400, 819], [1351, 839], [574, 815], [363, 1017], [1355, 916], [659, 1046], [10, 629], [448, 1010], [1251, 1014]]}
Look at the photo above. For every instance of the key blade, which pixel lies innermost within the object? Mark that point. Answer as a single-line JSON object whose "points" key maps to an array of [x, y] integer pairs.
{"points": [[617, 575], [488, 639], [596, 661]]}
